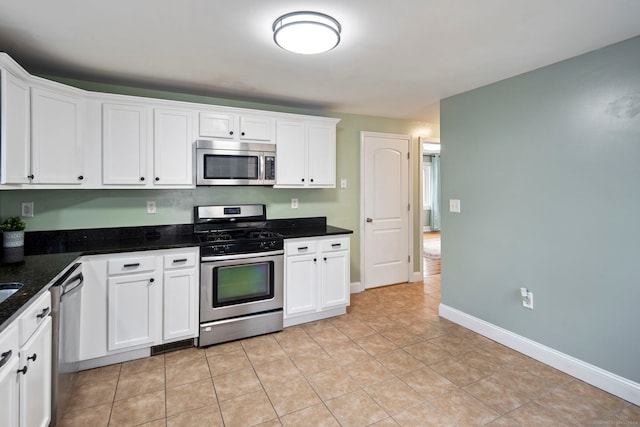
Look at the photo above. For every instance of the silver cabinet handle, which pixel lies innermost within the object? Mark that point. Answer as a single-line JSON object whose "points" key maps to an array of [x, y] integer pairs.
{"points": [[369, 220]]}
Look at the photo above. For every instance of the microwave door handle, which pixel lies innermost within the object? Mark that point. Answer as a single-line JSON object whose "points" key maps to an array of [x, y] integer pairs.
{"points": [[261, 172]]}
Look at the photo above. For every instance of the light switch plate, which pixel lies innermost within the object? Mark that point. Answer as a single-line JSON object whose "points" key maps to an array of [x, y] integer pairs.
{"points": [[343, 183], [454, 205], [151, 207]]}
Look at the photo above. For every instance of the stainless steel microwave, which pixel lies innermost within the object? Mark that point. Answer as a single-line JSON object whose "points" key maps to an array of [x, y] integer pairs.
{"points": [[235, 163]]}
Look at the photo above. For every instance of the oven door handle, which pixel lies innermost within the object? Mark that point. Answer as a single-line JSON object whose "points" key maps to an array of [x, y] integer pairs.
{"points": [[240, 256]]}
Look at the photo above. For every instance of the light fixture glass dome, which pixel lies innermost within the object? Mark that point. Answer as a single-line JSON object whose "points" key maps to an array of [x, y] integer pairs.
{"points": [[306, 32]]}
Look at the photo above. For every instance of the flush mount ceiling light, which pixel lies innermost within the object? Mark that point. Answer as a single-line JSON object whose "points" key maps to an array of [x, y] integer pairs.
{"points": [[306, 32]]}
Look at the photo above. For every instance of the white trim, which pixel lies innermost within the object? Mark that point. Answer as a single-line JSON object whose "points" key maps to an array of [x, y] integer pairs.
{"points": [[417, 276], [356, 287], [410, 237], [424, 227], [598, 377]]}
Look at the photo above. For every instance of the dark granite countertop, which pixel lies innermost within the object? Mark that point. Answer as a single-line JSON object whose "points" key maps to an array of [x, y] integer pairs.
{"points": [[48, 253], [35, 272], [305, 227]]}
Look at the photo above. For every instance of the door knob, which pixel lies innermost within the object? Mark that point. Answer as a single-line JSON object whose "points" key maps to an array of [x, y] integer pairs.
{"points": [[369, 220]]}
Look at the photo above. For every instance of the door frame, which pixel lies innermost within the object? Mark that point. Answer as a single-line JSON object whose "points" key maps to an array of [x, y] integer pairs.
{"points": [[410, 211]]}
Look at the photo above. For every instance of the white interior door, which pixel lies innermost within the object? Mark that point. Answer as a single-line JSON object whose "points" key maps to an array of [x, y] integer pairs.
{"points": [[385, 212]]}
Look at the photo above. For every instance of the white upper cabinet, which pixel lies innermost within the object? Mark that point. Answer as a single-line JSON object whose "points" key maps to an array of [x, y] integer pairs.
{"points": [[291, 153], [56, 137], [144, 146], [306, 153], [15, 149], [172, 147], [124, 144], [239, 127], [321, 153]]}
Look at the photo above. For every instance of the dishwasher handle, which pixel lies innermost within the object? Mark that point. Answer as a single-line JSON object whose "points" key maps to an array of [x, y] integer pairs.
{"points": [[77, 282]]}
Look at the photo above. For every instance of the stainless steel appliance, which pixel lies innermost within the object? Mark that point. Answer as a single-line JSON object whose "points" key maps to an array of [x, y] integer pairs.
{"points": [[241, 273], [235, 163], [65, 345]]}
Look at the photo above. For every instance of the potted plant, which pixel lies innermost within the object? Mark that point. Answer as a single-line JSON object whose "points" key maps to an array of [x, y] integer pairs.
{"points": [[13, 232]]}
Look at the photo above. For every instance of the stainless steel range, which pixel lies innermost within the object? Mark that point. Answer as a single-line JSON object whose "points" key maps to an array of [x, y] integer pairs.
{"points": [[241, 273]]}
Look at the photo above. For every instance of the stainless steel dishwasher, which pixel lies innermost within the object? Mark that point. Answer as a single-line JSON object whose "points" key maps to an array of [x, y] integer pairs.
{"points": [[65, 346]]}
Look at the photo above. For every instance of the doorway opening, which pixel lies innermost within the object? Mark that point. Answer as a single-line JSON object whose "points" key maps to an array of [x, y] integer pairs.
{"points": [[430, 196]]}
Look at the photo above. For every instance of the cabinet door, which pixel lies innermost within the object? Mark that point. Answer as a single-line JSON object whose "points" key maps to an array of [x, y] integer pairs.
{"points": [[291, 154], [15, 146], [180, 305], [35, 380], [321, 140], [172, 144], [301, 284], [218, 125], [9, 376], [132, 313], [335, 279], [9, 390], [255, 128], [56, 140], [124, 144]]}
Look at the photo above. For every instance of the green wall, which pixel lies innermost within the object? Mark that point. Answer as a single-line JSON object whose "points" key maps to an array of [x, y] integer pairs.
{"points": [[73, 209], [547, 168]]}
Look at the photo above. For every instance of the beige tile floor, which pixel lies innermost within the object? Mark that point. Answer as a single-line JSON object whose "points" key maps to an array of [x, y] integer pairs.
{"points": [[390, 361]]}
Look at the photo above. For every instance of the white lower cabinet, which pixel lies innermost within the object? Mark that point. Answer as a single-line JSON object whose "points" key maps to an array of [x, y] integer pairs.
{"points": [[132, 312], [316, 278], [180, 296], [9, 377], [35, 378], [25, 367], [132, 301]]}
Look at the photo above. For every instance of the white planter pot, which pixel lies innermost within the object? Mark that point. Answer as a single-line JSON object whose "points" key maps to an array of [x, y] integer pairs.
{"points": [[13, 239]]}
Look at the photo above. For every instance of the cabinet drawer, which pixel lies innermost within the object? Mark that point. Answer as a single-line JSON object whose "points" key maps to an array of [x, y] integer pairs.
{"points": [[300, 247], [34, 316], [131, 265], [338, 244], [179, 260]]}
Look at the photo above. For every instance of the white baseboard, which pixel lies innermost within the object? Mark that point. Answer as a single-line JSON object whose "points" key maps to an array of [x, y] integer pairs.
{"points": [[608, 381], [356, 287], [115, 358], [417, 276], [296, 320]]}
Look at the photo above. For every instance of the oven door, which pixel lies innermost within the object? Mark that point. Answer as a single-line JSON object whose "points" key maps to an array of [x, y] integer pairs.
{"points": [[239, 285]]}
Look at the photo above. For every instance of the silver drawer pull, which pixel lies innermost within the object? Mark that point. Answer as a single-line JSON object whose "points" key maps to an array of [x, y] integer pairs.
{"points": [[303, 248], [137, 264], [336, 245], [175, 261], [43, 313]]}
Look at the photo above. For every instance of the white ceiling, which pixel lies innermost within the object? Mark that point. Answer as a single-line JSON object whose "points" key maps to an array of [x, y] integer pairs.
{"points": [[396, 58]]}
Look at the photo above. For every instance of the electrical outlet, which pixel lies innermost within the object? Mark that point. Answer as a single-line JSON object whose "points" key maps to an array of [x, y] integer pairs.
{"points": [[343, 183], [27, 210], [151, 207], [294, 203], [454, 205], [527, 298]]}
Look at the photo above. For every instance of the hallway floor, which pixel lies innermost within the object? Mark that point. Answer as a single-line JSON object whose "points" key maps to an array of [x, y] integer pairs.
{"points": [[390, 361]]}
